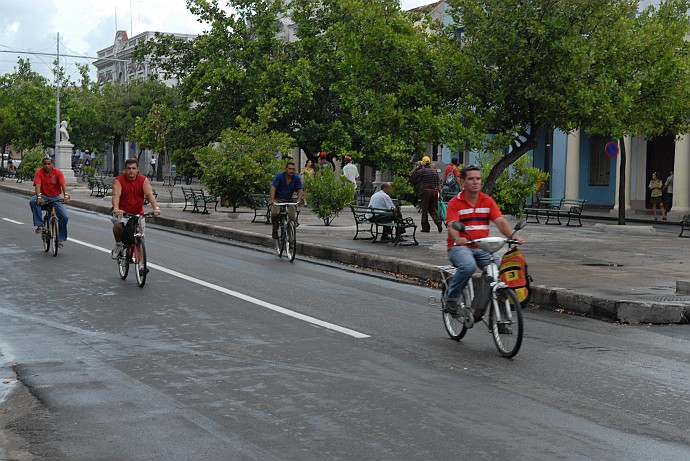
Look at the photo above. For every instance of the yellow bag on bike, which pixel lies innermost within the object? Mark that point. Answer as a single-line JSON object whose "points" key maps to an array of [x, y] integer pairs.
{"points": [[513, 272]]}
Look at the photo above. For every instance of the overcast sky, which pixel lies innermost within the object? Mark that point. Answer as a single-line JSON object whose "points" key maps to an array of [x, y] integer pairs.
{"points": [[86, 26]]}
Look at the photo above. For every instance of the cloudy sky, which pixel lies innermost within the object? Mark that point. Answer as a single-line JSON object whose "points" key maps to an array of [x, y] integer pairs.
{"points": [[86, 26]]}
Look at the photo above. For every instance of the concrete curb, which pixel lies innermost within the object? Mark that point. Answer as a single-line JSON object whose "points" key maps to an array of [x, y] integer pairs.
{"points": [[626, 311]]}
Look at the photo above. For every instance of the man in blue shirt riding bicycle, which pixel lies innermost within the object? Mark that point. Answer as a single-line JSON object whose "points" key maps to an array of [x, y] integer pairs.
{"points": [[283, 187]]}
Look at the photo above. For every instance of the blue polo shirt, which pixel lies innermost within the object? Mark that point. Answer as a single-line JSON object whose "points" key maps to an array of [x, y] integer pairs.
{"points": [[283, 190]]}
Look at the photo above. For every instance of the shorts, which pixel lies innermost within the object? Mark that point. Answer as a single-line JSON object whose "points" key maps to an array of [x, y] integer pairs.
{"points": [[657, 200]]}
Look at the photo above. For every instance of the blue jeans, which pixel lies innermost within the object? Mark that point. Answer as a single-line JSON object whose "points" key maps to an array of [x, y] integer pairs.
{"points": [[60, 211], [466, 260]]}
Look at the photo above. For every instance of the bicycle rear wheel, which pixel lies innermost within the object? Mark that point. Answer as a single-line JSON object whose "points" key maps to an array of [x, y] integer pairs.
{"points": [[505, 322], [290, 240], [455, 323], [140, 262], [45, 235], [123, 262], [54, 226]]}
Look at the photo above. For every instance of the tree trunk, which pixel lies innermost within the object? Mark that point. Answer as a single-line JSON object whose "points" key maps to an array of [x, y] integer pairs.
{"points": [[117, 142], [508, 159], [621, 184]]}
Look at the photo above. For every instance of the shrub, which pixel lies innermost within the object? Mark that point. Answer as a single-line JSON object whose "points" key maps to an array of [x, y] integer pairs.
{"points": [[515, 185], [327, 194]]}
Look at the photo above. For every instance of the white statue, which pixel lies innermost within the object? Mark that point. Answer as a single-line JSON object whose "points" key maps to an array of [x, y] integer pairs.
{"points": [[64, 135]]}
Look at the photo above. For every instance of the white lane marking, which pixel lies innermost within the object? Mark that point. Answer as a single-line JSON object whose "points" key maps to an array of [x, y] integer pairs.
{"points": [[250, 299], [13, 221]]}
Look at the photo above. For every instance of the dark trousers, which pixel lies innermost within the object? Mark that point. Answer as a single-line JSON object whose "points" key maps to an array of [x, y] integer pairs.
{"points": [[430, 208], [669, 201], [387, 231]]}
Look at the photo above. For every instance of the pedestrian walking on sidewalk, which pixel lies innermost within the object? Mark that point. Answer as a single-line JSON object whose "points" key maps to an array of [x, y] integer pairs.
{"points": [[668, 190], [431, 189], [657, 199]]}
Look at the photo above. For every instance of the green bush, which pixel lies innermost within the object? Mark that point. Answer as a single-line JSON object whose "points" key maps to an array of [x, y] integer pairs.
{"points": [[327, 194], [515, 185], [243, 162], [401, 187], [31, 161]]}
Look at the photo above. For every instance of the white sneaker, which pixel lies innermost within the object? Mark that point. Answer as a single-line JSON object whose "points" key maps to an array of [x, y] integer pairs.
{"points": [[117, 251]]}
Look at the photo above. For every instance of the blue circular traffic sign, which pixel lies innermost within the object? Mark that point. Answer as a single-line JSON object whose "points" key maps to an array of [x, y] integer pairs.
{"points": [[611, 149]]}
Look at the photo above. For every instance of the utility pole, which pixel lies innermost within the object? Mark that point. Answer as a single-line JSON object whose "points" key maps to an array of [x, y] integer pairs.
{"points": [[57, 95]]}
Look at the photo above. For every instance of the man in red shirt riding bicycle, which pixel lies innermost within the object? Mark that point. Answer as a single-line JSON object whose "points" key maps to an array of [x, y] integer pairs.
{"points": [[475, 210], [50, 184], [129, 190]]}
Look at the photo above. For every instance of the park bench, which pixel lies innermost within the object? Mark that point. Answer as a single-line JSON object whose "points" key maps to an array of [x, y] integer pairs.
{"points": [[684, 225], [172, 180], [102, 187], [259, 203], [363, 194], [98, 186], [380, 220], [188, 198], [203, 199], [553, 208]]}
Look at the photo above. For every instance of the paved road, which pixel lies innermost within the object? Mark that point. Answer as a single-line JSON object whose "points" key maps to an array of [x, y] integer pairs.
{"points": [[230, 353]]}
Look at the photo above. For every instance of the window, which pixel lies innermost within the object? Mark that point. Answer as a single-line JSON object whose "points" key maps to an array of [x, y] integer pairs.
{"points": [[599, 162]]}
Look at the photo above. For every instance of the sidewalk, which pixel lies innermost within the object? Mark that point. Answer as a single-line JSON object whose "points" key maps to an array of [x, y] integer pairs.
{"points": [[618, 273]]}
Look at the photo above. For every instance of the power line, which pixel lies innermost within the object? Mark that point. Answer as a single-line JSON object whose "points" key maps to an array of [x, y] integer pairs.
{"points": [[36, 53]]}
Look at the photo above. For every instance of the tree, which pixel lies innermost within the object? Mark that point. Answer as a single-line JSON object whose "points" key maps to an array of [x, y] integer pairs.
{"points": [[244, 161], [369, 79], [526, 66], [123, 103], [152, 132], [649, 93], [28, 105], [82, 106], [328, 194]]}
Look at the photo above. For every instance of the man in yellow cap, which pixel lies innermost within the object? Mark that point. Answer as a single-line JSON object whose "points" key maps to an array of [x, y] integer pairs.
{"points": [[431, 189]]}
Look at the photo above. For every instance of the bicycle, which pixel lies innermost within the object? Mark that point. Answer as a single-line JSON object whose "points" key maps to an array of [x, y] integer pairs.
{"points": [[135, 252], [51, 226], [287, 234], [493, 303]]}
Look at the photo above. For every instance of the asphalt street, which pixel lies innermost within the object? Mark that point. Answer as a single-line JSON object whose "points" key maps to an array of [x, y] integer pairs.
{"points": [[231, 353]]}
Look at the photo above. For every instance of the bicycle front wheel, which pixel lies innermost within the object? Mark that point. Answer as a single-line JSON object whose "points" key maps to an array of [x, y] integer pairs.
{"points": [[54, 226], [280, 242], [45, 235], [123, 262], [290, 240], [140, 262], [505, 322]]}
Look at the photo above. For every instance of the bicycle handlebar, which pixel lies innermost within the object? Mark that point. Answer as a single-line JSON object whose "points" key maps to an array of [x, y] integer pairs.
{"points": [[145, 215], [285, 203]]}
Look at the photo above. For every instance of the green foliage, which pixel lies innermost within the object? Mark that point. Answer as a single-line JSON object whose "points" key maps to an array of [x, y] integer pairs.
{"points": [[327, 194], [244, 161], [515, 184], [186, 163], [90, 171], [32, 160], [27, 108], [401, 187]]}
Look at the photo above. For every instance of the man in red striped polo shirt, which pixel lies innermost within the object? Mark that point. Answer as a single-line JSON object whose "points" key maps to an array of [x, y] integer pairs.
{"points": [[475, 210]]}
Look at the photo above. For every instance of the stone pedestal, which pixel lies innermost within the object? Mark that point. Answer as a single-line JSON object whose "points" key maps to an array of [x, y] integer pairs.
{"points": [[63, 160]]}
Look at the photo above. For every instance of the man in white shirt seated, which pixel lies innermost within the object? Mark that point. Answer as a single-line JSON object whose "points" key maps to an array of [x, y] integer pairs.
{"points": [[382, 199]]}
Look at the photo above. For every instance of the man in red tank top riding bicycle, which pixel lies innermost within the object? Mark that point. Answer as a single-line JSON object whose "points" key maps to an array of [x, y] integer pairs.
{"points": [[129, 190]]}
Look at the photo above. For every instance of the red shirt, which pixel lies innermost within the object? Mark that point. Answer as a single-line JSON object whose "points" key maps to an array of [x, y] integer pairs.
{"points": [[132, 196], [456, 173], [51, 184], [477, 219]]}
